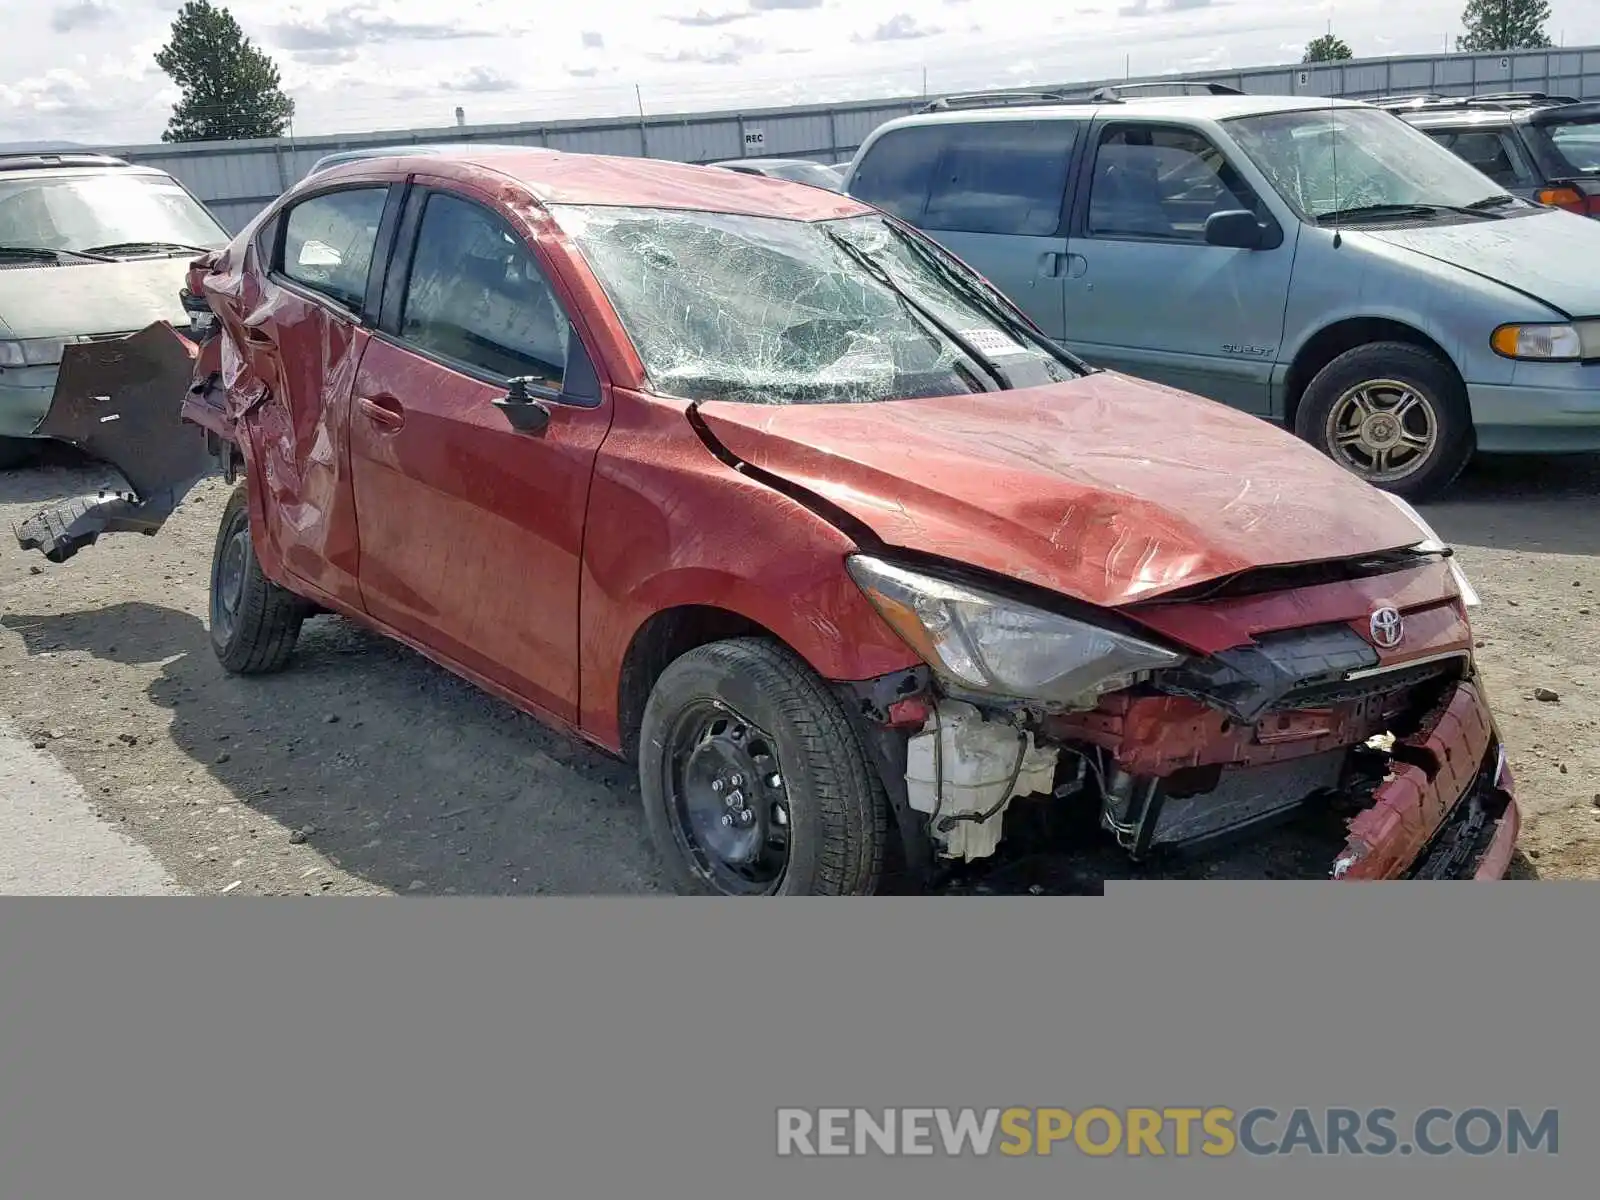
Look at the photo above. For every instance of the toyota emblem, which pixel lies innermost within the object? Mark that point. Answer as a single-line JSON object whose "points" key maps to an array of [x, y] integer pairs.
{"points": [[1388, 627]]}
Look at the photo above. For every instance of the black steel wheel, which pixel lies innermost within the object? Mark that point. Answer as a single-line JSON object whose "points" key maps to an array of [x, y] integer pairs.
{"points": [[754, 781], [730, 812], [254, 622]]}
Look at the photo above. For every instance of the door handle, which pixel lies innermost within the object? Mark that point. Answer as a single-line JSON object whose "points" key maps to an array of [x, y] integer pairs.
{"points": [[1058, 265], [258, 337], [383, 411]]}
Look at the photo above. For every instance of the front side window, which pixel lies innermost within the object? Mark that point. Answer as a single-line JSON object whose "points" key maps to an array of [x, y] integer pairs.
{"points": [[770, 311], [1160, 182], [1339, 159], [1006, 177], [328, 242], [111, 209], [896, 172], [477, 297]]}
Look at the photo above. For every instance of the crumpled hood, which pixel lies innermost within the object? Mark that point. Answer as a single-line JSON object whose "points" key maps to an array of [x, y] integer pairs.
{"points": [[54, 302], [1552, 256], [1107, 489]]}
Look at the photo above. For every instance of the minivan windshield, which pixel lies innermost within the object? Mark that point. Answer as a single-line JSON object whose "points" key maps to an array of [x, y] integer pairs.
{"points": [[76, 212], [1344, 160], [773, 311]]}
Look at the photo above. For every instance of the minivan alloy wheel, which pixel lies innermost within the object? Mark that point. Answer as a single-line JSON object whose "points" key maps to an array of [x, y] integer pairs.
{"points": [[1382, 429]]}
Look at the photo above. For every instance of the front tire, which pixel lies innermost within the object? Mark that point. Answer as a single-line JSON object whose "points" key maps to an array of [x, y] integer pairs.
{"points": [[1394, 414], [754, 781], [254, 622]]}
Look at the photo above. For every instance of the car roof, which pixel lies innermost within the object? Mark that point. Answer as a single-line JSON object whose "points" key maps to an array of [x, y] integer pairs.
{"points": [[405, 148], [769, 162], [1459, 118], [50, 162], [1214, 108], [564, 177], [23, 166]]}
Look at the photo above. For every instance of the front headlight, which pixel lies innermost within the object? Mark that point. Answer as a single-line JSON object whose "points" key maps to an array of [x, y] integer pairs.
{"points": [[982, 643], [1570, 342], [34, 352], [1432, 543]]}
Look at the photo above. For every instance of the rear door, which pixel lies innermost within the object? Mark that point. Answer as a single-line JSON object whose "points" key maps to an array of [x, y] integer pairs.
{"points": [[1148, 296], [472, 532], [301, 333], [992, 192]]}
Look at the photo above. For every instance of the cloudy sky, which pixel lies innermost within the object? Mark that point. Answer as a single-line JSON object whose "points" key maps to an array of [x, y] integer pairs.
{"points": [[83, 70]]}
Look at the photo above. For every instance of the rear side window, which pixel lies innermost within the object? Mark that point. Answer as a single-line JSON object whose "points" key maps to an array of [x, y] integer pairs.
{"points": [[477, 297], [1156, 182], [1002, 177], [1577, 146], [897, 171], [328, 243], [1489, 150]]}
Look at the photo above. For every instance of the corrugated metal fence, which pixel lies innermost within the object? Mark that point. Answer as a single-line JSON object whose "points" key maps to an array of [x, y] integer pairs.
{"points": [[237, 178]]}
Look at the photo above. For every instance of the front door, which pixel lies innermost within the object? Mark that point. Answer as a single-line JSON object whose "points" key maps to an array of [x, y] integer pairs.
{"points": [[472, 532], [1147, 295]]}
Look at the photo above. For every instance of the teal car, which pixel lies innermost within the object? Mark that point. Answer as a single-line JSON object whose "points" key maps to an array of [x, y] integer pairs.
{"points": [[1319, 263]]}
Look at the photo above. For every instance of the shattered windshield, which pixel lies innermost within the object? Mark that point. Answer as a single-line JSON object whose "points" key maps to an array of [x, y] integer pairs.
{"points": [[1337, 159], [772, 311]]}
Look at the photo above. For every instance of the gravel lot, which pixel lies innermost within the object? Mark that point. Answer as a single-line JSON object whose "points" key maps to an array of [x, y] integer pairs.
{"points": [[365, 769]]}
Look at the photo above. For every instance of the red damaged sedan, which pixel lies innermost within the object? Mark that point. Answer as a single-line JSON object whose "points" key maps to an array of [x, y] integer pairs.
{"points": [[753, 484]]}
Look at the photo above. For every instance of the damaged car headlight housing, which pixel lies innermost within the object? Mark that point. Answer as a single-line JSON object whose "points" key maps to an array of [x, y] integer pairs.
{"points": [[982, 643], [1432, 543]]}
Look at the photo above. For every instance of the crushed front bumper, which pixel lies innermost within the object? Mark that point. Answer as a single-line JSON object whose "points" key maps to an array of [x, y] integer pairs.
{"points": [[1447, 809]]}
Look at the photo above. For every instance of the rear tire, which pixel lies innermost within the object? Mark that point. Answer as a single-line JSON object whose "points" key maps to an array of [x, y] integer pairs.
{"points": [[254, 622], [754, 780], [1392, 413]]}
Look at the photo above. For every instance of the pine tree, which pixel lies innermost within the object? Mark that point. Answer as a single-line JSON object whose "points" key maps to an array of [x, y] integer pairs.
{"points": [[1504, 25], [230, 88], [1327, 48]]}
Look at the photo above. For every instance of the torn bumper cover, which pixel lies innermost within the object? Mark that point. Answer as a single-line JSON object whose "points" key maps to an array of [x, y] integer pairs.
{"points": [[1442, 805], [122, 402], [1448, 809]]}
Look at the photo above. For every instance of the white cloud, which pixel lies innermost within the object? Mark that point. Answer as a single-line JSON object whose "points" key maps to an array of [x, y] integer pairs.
{"points": [[80, 14], [392, 64]]}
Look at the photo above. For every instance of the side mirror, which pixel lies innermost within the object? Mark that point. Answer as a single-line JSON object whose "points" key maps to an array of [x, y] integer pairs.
{"points": [[1236, 229], [524, 407]]}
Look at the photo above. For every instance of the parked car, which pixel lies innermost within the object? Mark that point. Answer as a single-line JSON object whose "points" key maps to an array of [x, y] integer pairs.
{"points": [[1318, 263], [123, 232], [1540, 147], [796, 170], [762, 488]]}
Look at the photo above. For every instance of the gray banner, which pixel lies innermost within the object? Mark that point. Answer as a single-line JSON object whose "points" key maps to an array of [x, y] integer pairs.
{"points": [[608, 1048]]}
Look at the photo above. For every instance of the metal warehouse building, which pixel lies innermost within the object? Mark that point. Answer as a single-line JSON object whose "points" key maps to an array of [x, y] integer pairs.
{"points": [[237, 178]]}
